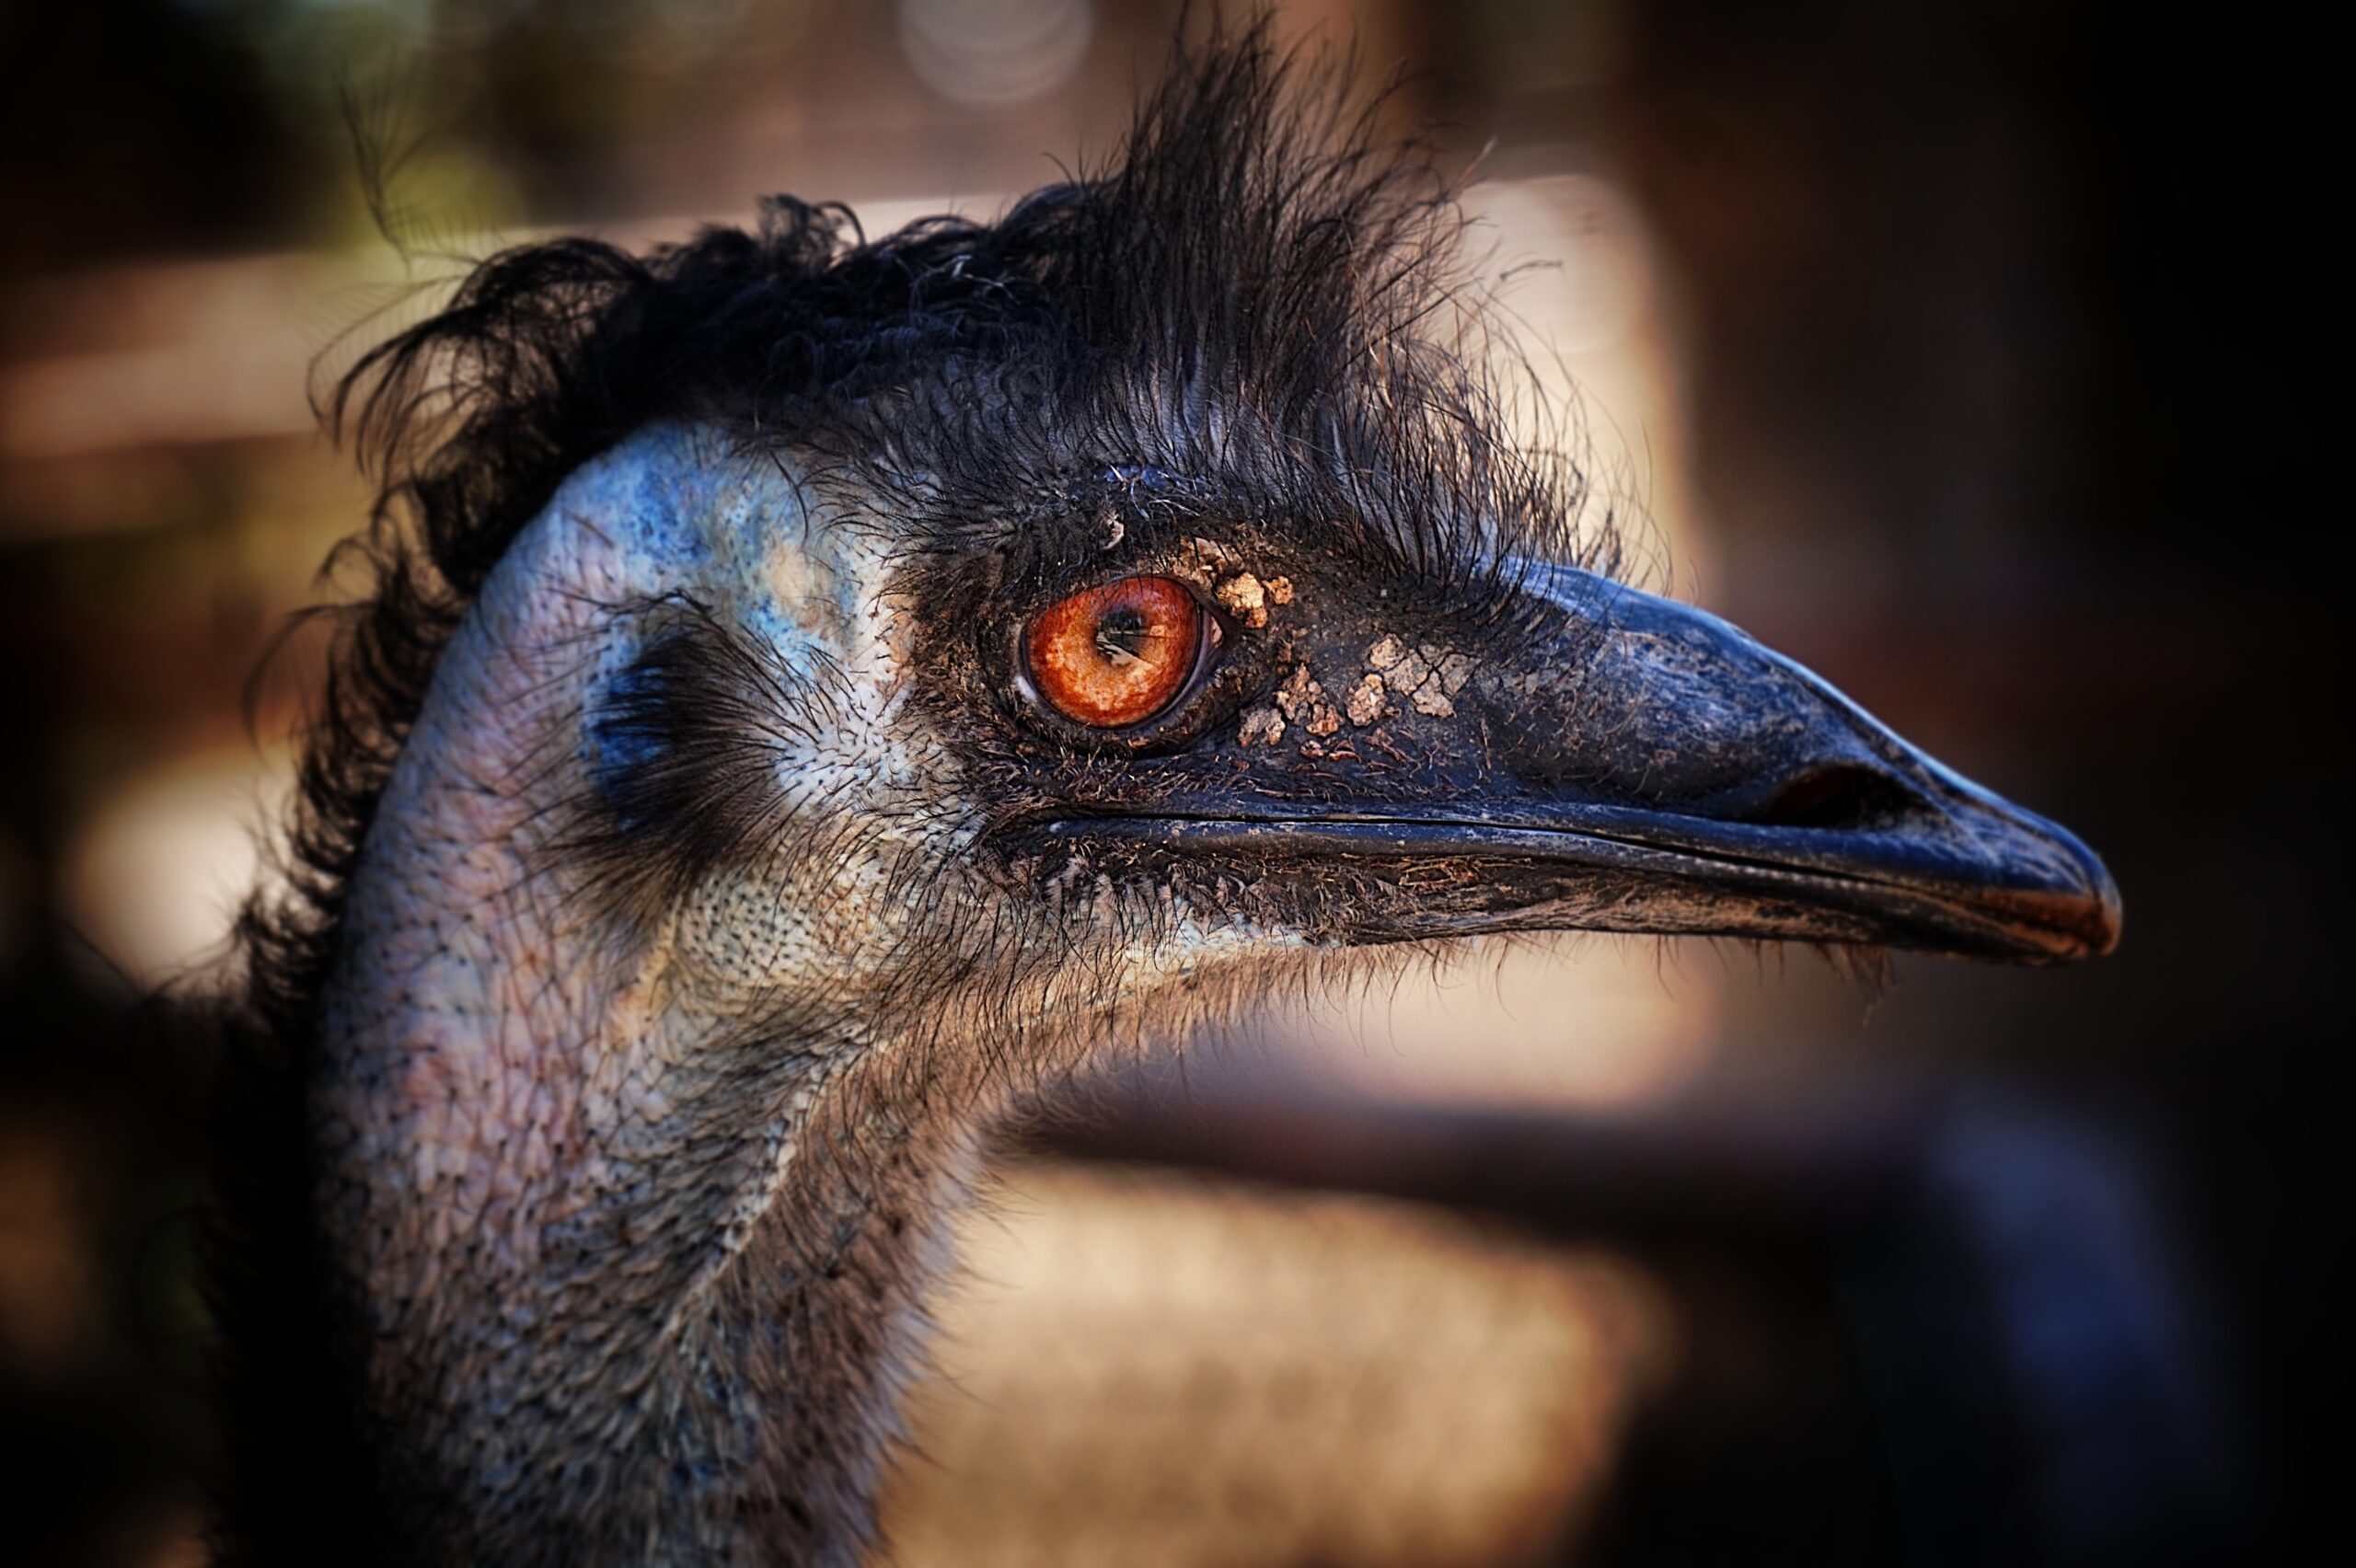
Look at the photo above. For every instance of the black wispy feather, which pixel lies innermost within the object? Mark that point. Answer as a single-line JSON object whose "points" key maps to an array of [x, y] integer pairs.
{"points": [[1258, 297], [685, 749]]}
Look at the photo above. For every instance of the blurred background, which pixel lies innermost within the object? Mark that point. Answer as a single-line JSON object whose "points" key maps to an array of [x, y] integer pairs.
{"points": [[1969, 353]]}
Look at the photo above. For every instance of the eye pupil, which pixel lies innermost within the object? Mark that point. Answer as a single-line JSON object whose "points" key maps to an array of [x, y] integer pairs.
{"points": [[1119, 654], [1122, 634]]}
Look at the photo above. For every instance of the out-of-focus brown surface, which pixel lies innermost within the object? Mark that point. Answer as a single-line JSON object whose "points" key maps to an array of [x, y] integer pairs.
{"points": [[1149, 1369], [1969, 353]]}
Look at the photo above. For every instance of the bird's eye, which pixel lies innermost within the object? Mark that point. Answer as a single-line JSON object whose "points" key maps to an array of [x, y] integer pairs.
{"points": [[1118, 654]]}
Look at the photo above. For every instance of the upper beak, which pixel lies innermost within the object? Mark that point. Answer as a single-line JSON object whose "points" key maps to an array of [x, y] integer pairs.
{"points": [[1645, 767]]}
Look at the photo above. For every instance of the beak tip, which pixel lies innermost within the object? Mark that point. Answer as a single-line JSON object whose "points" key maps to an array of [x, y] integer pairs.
{"points": [[2107, 914], [2082, 917]]}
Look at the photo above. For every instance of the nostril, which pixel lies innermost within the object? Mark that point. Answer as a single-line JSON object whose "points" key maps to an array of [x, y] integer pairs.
{"points": [[1839, 795]]}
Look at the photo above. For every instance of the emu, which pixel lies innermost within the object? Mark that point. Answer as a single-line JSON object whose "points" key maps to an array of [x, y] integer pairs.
{"points": [[816, 689]]}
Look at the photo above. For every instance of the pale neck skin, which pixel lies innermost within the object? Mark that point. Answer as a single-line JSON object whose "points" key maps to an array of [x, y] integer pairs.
{"points": [[635, 1220]]}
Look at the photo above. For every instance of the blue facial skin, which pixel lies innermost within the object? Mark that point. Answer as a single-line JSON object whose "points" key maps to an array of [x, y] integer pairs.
{"points": [[687, 501], [627, 733]]}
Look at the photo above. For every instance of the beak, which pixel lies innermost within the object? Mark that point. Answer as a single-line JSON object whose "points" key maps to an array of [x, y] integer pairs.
{"points": [[1643, 766]]}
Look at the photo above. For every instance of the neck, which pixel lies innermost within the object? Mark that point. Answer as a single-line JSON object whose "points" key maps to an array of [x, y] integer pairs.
{"points": [[620, 1222], [631, 1376], [627, 1283]]}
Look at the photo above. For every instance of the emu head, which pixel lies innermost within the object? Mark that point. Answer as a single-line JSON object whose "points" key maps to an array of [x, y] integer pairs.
{"points": [[831, 681], [854, 740]]}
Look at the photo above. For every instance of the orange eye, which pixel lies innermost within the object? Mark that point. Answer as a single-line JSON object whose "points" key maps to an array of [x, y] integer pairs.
{"points": [[1118, 654]]}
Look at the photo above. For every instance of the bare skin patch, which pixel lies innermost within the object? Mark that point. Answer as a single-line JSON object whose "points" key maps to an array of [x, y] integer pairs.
{"points": [[1244, 597], [1302, 700], [1426, 677]]}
